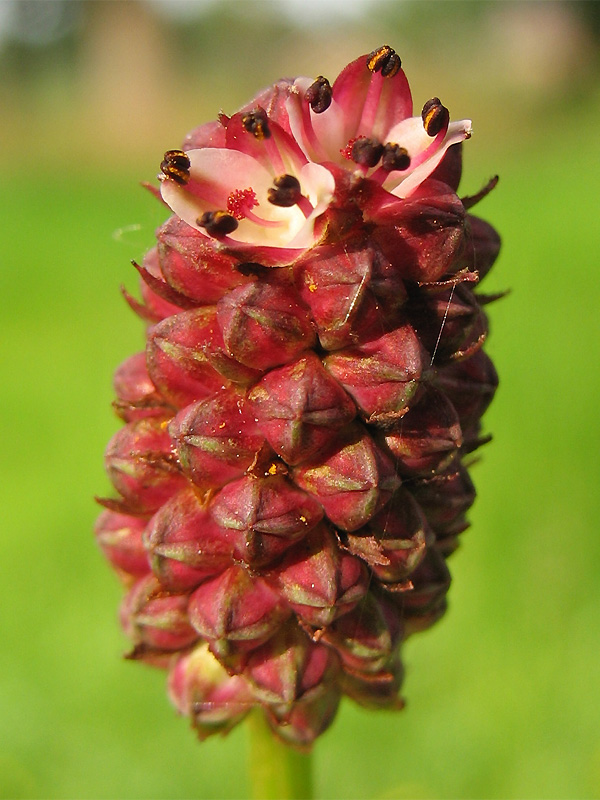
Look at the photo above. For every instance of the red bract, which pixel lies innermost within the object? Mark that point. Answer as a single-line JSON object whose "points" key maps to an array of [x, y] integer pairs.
{"points": [[291, 476]]}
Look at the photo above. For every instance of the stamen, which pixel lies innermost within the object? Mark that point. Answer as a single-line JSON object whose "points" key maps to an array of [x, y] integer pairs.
{"points": [[366, 152], [319, 95], [217, 223], [395, 157], [435, 116], [384, 60], [383, 63], [176, 165], [240, 202], [257, 123], [285, 191]]}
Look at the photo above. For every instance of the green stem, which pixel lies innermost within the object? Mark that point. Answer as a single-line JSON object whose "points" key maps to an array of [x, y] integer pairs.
{"points": [[277, 772]]}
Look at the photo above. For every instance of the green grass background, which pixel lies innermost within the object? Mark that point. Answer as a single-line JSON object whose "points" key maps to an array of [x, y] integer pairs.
{"points": [[503, 694]]}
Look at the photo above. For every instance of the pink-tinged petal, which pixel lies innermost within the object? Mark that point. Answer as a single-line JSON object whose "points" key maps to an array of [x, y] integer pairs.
{"points": [[278, 152], [214, 174], [318, 185], [274, 101], [218, 176], [411, 134], [211, 134], [457, 132], [321, 136], [363, 103], [371, 103]]}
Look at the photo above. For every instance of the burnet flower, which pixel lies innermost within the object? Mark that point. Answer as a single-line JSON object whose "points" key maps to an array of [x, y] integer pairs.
{"points": [[291, 476]]}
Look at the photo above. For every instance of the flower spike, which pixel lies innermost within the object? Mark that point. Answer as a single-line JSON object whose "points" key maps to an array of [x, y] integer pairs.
{"points": [[291, 476]]}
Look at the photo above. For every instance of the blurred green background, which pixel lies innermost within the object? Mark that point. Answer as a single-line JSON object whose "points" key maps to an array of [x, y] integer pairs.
{"points": [[504, 693]]}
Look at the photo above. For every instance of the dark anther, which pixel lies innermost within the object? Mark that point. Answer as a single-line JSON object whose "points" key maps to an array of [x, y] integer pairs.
{"points": [[384, 60], [319, 95], [217, 223], [366, 152], [257, 123], [395, 157], [285, 191], [176, 165], [435, 116]]}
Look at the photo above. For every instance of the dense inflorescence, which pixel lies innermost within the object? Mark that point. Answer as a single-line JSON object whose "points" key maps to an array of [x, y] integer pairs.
{"points": [[291, 475]]}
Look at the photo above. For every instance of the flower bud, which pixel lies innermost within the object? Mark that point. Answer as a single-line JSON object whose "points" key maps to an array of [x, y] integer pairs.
{"points": [[216, 439], [444, 498], [200, 688], [155, 619], [136, 394], [352, 481], [236, 613], [382, 374], [424, 235], [394, 542], [294, 679], [425, 602], [184, 544], [120, 537], [264, 324], [427, 437], [450, 321], [193, 266], [300, 408], [378, 689], [320, 581], [470, 385], [367, 637], [350, 289], [141, 467], [265, 516]]}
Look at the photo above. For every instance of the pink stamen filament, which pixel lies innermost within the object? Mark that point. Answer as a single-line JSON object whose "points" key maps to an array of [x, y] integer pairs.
{"points": [[371, 104], [311, 135], [305, 206], [264, 223], [431, 148], [380, 175], [274, 155]]}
